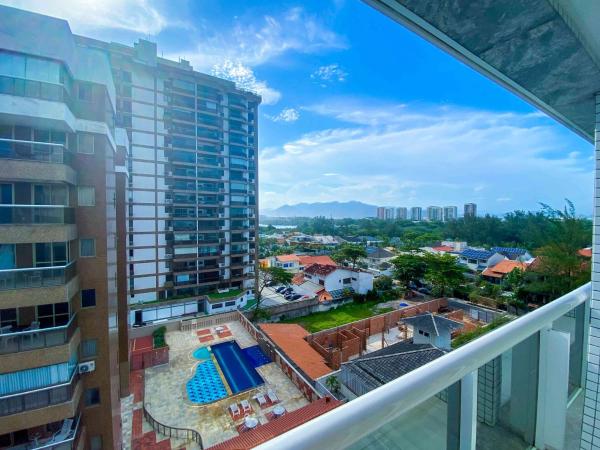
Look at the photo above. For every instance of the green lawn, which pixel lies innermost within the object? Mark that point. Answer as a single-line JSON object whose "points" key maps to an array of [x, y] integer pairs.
{"points": [[222, 295], [336, 317]]}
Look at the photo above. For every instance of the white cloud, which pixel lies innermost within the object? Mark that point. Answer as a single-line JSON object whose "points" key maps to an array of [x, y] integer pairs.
{"points": [[330, 73], [256, 42], [286, 115], [414, 155], [244, 78], [86, 15]]}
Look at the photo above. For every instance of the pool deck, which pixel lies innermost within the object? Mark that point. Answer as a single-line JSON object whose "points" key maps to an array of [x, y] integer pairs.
{"points": [[166, 398]]}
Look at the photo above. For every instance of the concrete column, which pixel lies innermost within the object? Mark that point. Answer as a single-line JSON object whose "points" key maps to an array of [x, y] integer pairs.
{"points": [[590, 433]]}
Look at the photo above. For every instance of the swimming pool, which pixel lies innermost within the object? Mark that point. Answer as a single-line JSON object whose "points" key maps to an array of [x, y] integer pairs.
{"points": [[206, 385], [236, 366], [256, 356]]}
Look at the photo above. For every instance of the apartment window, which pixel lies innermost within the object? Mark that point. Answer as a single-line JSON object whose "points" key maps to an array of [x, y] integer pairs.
{"points": [[85, 143], [232, 303], [7, 256], [8, 317], [87, 247], [85, 92], [86, 196], [89, 348], [217, 305], [88, 298], [48, 254], [96, 443], [92, 396], [50, 194]]}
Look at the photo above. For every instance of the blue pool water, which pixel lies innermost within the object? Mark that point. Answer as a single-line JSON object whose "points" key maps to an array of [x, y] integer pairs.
{"points": [[404, 304], [202, 353], [256, 356], [206, 385], [236, 366]]}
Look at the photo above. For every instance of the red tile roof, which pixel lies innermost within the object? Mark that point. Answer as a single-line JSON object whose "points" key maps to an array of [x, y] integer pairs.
{"points": [[280, 425], [504, 267], [290, 339], [319, 269], [307, 260], [587, 252], [288, 258], [443, 248]]}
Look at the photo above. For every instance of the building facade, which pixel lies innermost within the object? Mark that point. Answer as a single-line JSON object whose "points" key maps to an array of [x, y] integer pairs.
{"points": [[450, 213], [435, 213], [59, 278], [470, 210], [401, 213], [381, 212], [192, 194], [416, 213]]}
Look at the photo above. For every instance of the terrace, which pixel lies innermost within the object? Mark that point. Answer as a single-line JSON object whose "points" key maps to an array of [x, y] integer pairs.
{"points": [[166, 400]]}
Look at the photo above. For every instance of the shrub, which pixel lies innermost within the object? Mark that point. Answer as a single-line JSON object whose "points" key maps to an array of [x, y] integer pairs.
{"points": [[158, 337]]}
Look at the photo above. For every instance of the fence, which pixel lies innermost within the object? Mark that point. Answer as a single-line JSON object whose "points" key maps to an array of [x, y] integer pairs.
{"points": [[295, 374], [208, 321], [172, 432]]}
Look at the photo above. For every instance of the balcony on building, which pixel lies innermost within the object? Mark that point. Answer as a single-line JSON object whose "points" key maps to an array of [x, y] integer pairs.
{"points": [[66, 434]]}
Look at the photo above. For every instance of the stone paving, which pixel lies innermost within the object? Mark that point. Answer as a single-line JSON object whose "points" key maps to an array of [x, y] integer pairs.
{"points": [[166, 397]]}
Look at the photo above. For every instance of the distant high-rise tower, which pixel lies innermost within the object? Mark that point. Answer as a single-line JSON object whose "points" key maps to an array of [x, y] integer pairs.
{"points": [[470, 210], [450, 213], [390, 214], [434, 213], [401, 213], [416, 213], [381, 212]]}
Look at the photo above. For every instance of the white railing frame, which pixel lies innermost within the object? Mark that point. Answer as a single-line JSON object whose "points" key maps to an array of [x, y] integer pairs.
{"points": [[354, 420]]}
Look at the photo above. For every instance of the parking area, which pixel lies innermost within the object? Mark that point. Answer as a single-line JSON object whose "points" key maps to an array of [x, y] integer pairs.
{"points": [[286, 294]]}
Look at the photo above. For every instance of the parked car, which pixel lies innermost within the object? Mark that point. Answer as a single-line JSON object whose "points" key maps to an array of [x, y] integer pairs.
{"points": [[296, 296], [424, 290], [280, 289]]}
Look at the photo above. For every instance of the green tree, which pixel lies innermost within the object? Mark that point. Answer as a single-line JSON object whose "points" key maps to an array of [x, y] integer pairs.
{"points": [[268, 276], [443, 272], [350, 252], [408, 267], [561, 268], [383, 283]]}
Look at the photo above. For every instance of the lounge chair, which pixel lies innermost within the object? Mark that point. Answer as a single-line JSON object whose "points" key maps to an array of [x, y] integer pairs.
{"points": [[234, 409], [260, 398], [272, 396], [246, 406]]}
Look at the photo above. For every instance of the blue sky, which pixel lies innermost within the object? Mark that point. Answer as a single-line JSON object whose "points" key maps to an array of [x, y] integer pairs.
{"points": [[355, 107]]}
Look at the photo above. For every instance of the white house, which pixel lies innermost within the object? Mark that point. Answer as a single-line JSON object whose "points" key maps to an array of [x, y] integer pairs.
{"points": [[227, 300], [432, 329], [478, 260], [335, 278]]}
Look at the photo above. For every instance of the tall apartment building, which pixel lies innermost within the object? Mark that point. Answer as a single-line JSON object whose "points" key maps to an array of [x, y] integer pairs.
{"points": [[401, 213], [381, 212], [192, 198], [470, 210], [60, 342], [435, 213], [416, 213], [390, 213], [450, 213]]}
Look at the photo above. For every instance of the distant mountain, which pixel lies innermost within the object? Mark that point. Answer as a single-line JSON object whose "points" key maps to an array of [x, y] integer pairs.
{"points": [[337, 210]]}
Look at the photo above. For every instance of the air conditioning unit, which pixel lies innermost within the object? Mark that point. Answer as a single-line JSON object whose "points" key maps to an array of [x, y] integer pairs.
{"points": [[86, 367]]}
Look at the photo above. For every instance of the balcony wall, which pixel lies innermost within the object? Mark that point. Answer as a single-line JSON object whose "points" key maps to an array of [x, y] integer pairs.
{"points": [[17, 291]]}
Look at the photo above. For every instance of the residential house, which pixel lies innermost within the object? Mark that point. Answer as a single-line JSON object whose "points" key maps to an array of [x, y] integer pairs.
{"points": [[335, 278], [499, 272], [433, 329], [477, 260], [458, 246], [377, 255], [513, 253], [374, 369]]}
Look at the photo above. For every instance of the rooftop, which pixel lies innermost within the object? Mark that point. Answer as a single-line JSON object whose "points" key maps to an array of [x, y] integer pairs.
{"points": [[306, 260], [288, 258], [320, 269], [278, 426], [472, 253], [290, 339], [432, 323], [504, 267], [509, 251]]}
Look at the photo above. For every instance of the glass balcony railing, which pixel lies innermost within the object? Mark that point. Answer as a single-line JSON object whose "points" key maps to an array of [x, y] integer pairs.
{"points": [[39, 398], [25, 340], [35, 151], [67, 439], [519, 386], [36, 277], [36, 214]]}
